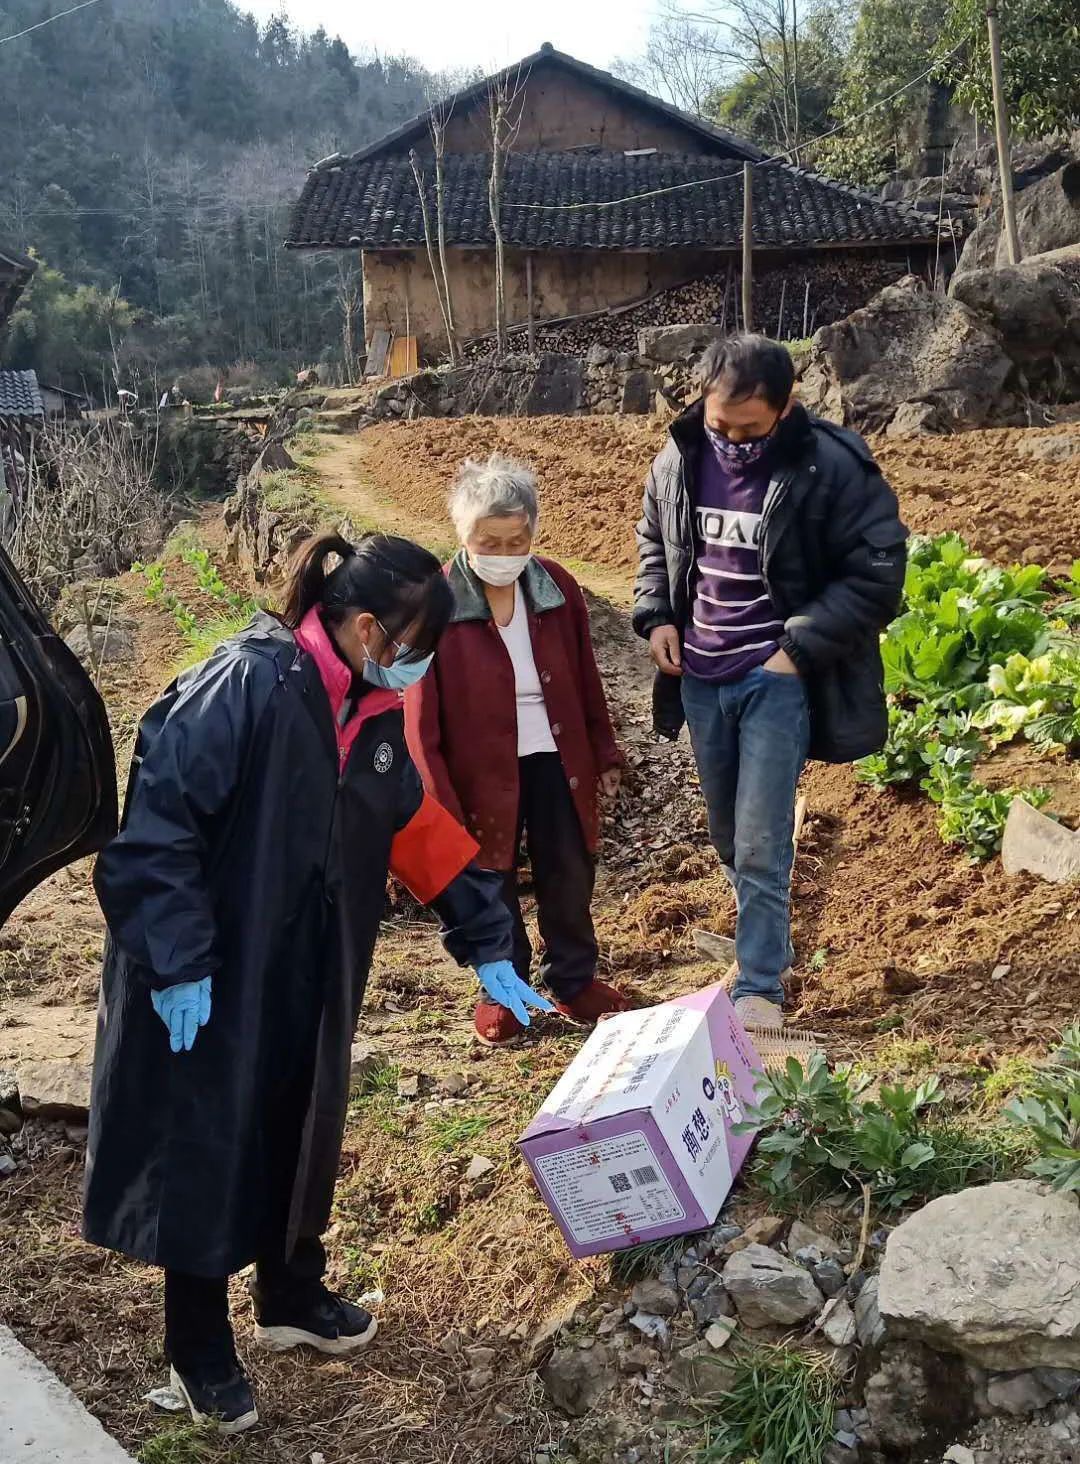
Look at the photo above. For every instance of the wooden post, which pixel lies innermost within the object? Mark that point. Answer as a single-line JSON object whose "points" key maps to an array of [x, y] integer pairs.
{"points": [[529, 298], [1001, 132], [748, 247]]}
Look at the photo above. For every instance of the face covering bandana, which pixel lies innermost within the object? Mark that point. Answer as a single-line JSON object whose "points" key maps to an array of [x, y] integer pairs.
{"points": [[498, 569], [397, 677], [738, 454]]}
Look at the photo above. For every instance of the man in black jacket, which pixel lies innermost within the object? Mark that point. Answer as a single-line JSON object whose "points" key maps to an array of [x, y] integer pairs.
{"points": [[771, 556]]}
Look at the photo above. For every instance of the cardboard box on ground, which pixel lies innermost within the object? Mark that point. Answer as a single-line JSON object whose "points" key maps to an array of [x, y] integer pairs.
{"points": [[635, 1141]]}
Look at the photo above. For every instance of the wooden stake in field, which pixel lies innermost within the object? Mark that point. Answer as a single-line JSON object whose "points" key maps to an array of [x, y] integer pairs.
{"points": [[748, 247], [1001, 132]]}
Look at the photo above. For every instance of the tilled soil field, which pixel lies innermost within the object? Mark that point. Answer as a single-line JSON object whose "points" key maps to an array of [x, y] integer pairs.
{"points": [[893, 929], [995, 487]]}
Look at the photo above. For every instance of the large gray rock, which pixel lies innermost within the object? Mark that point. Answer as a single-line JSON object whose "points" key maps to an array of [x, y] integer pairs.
{"points": [[1047, 217], [769, 1290], [677, 345], [908, 345], [992, 1274], [54, 1089], [1036, 312], [97, 645]]}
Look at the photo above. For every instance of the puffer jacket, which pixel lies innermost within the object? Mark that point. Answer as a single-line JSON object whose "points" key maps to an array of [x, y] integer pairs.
{"points": [[832, 557]]}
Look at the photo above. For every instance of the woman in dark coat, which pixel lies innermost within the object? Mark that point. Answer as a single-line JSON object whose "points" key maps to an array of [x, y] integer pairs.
{"points": [[270, 793], [511, 732]]}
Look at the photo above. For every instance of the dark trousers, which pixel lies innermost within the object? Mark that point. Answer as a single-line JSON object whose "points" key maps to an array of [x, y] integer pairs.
{"points": [[197, 1326], [563, 876]]}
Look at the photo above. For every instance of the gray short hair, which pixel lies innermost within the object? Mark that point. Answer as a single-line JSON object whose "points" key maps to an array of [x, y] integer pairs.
{"points": [[497, 488]]}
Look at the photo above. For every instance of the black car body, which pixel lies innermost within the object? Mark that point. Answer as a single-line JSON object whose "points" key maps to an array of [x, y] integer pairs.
{"points": [[57, 769]]}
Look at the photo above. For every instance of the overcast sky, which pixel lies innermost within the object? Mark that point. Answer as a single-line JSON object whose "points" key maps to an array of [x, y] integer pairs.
{"points": [[445, 34]]}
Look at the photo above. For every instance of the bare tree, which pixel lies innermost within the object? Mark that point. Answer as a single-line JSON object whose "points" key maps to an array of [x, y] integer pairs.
{"points": [[762, 38], [506, 100], [437, 267], [680, 63], [441, 112], [349, 296], [90, 493]]}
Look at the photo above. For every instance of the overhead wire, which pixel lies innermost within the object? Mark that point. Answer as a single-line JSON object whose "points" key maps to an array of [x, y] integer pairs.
{"points": [[773, 160], [47, 21]]}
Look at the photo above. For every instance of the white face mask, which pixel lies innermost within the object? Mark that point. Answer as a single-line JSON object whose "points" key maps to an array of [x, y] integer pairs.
{"points": [[499, 569]]}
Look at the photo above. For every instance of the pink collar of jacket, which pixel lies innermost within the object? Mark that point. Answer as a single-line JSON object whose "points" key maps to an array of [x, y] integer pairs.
{"points": [[336, 677]]}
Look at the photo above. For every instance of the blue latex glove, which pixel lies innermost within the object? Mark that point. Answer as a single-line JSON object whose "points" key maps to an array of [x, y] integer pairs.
{"points": [[503, 984], [183, 1009]]}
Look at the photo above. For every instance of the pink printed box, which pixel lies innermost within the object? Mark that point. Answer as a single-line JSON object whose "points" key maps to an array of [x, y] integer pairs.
{"points": [[634, 1142]]}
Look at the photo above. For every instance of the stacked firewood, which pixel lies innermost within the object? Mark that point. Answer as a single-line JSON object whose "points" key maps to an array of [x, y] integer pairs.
{"points": [[789, 303]]}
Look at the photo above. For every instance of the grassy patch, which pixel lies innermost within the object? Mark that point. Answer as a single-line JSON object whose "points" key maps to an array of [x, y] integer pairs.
{"points": [[382, 1080], [291, 491], [204, 640], [188, 1443], [360, 1269], [914, 1058], [649, 1259], [1014, 1077], [457, 1130], [778, 1408]]}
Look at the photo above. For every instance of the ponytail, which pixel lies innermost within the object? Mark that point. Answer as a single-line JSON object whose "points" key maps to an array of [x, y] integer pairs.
{"points": [[392, 578], [308, 577]]}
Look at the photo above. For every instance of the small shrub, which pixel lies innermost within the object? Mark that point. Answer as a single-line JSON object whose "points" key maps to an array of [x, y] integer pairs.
{"points": [[823, 1132]]}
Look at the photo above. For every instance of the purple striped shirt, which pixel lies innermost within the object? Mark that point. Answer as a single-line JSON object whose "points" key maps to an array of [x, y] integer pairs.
{"points": [[733, 626]]}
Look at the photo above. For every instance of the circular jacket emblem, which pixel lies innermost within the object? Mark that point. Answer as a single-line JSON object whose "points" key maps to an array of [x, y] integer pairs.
{"points": [[384, 757]]}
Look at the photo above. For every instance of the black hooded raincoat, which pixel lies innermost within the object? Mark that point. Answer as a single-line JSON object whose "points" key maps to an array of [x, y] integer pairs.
{"points": [[252, 851]]}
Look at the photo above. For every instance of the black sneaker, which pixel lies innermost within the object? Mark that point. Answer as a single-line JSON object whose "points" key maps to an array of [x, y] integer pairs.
{"points": [[217, 1394], [322, 1320]]}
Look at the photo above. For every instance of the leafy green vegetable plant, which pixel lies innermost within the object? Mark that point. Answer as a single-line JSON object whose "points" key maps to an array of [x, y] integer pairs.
{"points": [[823, 1131], [973, 653], [1039, 696], [1050, 1115], [972, 815]]}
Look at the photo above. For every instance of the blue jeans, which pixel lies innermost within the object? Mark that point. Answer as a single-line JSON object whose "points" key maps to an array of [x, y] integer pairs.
{"points": [[750, 740]]}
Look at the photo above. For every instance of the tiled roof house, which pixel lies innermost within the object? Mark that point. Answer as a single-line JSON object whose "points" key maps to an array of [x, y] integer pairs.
{"points": [[663, 196]]}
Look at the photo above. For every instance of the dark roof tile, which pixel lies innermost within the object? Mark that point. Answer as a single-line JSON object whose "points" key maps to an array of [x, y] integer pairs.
{"points": [[19, 395], [372, 203]]}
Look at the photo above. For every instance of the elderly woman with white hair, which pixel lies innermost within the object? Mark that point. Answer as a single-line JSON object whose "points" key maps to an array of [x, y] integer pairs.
{"points": [[511, 732]]}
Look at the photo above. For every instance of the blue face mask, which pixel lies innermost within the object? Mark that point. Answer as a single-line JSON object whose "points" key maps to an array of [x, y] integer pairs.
{"points": [[398, 676]]}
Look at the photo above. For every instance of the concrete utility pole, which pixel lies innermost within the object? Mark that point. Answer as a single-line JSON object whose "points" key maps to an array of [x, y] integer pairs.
{"points": [[1001, 130], [748, 247]]}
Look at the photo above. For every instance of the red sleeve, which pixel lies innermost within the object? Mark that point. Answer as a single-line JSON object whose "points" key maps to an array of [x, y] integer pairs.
{"points": [[430, 851], [423, 733], [597, 718]]}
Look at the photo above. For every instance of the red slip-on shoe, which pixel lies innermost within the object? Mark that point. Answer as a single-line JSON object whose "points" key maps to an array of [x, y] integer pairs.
{"points": [[496, 1026], [597, 1000]]}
